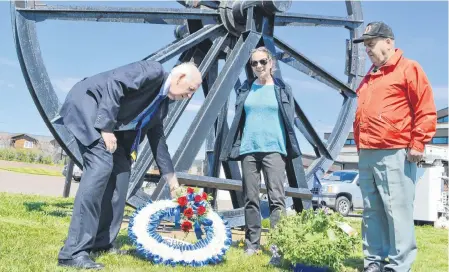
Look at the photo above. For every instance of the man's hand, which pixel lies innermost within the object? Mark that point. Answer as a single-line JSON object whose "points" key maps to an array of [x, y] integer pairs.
{"points": [[414, 156], [110, 141], [173, 184]]}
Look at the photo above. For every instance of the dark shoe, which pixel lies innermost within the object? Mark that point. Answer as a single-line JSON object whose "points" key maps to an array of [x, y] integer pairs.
{"points": [[387, 269], [372, 267], [81, 262]]}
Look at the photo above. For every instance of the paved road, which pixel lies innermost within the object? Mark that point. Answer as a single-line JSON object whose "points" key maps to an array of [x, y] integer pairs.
{"points": [[13, 182]]}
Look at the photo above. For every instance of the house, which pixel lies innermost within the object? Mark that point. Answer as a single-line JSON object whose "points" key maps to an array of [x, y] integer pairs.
{"points": [[24, 141]]}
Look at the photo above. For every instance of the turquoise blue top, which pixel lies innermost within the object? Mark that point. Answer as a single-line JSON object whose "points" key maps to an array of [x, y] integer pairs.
{"points": [[264, 129]]}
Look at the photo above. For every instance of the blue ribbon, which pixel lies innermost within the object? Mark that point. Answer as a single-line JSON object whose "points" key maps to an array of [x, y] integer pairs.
{"points": [[198, 231], [177, 212]]}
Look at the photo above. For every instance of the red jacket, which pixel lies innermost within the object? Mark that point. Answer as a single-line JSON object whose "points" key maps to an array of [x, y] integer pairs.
{"points": [[395, 108]]}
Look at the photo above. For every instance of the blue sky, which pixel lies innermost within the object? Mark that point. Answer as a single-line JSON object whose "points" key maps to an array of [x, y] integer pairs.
{"points": [[73, 50]]}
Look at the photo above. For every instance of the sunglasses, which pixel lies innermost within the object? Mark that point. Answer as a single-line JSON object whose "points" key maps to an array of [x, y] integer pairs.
{"points": [[262, 62]]}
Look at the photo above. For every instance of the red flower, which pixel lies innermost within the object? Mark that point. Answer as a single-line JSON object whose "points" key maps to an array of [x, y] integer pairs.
{"points": [[182, 201], [188, 212], [201, 210], [190, 190], [198, 198], [204, 195], [186, 226]]}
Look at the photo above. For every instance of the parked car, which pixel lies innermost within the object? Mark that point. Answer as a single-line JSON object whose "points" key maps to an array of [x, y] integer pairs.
{"points": [[339, 191], [77, 172]]}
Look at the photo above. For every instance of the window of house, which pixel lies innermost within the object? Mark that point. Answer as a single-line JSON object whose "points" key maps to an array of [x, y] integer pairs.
{"points": [[439, 140], [350, 142], [443, 119], [28, 144]]}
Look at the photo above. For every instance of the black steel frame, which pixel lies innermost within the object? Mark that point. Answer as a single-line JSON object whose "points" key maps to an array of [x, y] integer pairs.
{"points": [[212, 30]]}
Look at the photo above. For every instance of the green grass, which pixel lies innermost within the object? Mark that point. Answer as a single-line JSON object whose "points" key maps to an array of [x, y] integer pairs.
{"points": [[33, 229], [34, 171]]}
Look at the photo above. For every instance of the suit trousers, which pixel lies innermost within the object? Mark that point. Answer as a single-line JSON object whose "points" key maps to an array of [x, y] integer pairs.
{"points": [[273, 167], [387, 182], [100, 199]]}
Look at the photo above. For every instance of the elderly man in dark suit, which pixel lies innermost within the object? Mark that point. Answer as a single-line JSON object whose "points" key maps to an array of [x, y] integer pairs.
{"points": [[107, 114]]}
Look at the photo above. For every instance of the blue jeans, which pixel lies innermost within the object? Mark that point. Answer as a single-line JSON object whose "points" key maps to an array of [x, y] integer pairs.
{"points": [[387, 181]]}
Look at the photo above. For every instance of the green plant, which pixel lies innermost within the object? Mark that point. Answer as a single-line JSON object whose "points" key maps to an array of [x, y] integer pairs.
{"points": [[45, 160], [22, 155], [7, 154], [313, 238], [266, 223]]}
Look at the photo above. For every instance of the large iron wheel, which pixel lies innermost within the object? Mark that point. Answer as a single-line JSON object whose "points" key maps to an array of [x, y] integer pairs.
{"points": [[206, 32]]}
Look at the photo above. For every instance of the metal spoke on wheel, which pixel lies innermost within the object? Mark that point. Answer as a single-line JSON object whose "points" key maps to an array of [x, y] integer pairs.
{"points": [[206, 32], [167, 52], [112, 14], [296, 19], [311, 68]]}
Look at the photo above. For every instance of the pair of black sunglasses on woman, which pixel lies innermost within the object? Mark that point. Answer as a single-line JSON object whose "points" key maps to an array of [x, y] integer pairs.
{"points": [[262, 62]]}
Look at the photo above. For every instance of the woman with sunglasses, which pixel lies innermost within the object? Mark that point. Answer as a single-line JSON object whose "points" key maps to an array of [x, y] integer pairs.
{"points": [[262, 138]]}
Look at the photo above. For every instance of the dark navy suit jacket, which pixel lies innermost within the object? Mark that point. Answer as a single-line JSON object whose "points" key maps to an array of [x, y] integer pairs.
{"points": [[107, 100]]}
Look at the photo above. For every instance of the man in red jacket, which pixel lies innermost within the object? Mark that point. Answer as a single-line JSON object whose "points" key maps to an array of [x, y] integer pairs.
{"points": [[395, 119]]}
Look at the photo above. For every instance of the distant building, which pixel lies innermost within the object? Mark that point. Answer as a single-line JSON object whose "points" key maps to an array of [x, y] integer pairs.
{"points": [[24, 141]]}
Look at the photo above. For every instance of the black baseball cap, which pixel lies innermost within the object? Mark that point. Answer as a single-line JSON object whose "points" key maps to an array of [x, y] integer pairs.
{"points": [[375, 29]]}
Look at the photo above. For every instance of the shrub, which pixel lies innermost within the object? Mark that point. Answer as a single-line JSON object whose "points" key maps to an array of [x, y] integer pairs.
{"points": [[266, 223], [32, 156], [8, 154], [23, 155], [45, 160], [313, 238]]}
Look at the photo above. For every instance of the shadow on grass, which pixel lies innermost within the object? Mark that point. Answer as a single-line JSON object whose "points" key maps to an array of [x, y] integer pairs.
{"points": [[356, 263], [35, 206], [123, 239], [58, 209]]}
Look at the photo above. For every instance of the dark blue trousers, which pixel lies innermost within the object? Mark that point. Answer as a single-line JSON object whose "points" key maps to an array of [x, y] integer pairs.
{"points": [[100, 199]]}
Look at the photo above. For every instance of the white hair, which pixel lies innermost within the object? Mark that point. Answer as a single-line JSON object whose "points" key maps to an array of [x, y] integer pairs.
{"points": [[187, 68]]}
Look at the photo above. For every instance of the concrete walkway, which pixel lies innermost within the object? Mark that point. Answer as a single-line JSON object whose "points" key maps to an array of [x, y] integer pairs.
{"points": [[13, 182]]}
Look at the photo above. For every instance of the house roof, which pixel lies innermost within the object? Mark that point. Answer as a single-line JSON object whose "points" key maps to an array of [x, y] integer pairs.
{"points": [[40, 138], [24, 135]]}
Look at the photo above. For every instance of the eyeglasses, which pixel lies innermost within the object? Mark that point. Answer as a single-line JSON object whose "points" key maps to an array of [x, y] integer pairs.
{"points": [[262, 62]]}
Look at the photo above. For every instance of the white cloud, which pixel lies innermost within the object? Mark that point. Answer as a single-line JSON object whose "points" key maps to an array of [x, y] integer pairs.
{"points": [[4, 83], [64, 84], [8, 62]]}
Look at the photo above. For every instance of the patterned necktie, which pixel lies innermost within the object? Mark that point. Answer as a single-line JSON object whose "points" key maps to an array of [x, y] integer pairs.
{"points": [[142, 121]]}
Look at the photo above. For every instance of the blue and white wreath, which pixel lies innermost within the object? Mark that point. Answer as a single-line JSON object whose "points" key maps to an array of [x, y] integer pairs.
{"points": [[210, 247]]}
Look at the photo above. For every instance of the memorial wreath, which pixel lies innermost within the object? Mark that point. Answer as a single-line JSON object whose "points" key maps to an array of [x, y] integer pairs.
{"points": [[191, 211]]}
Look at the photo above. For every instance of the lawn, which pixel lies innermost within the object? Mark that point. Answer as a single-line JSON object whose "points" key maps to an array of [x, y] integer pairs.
{"points": [[33, 229], [34, 171]]}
